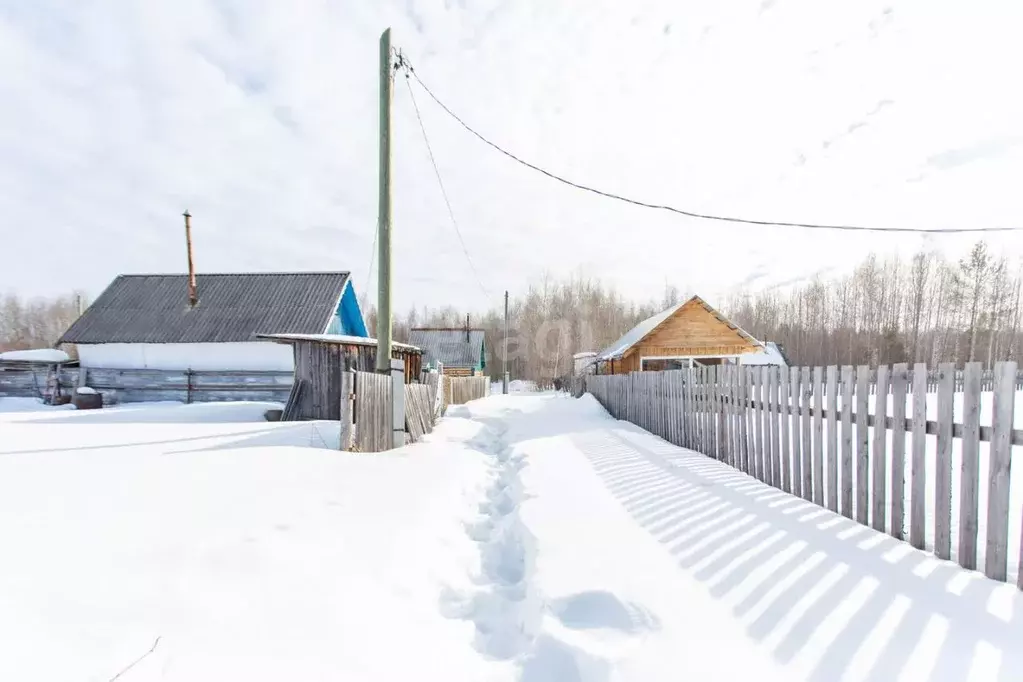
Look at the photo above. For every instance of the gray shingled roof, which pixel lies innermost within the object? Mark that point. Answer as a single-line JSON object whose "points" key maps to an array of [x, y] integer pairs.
{"points": [[449, 346], [232, 307]]}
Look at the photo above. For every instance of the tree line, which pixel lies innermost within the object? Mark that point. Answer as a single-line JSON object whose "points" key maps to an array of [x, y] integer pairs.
{"points": [[887, 310], [36, 322]]}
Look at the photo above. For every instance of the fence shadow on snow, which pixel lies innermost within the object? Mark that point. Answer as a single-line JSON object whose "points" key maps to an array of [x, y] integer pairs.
{"points": [[790, 569]]}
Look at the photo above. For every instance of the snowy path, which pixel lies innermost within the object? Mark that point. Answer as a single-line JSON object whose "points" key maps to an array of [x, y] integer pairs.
{"points": [[611, 554]]}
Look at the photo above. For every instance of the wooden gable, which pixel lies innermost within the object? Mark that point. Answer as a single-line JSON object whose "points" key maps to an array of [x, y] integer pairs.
{"points": [[693, 330]]}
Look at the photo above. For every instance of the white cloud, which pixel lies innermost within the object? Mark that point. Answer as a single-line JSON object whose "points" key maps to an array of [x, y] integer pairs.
{"points": [[261, 118]]}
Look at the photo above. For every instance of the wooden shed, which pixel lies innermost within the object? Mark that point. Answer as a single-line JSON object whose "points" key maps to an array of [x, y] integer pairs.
{"points": [[691, 333], [461, 351], [320, 360]]}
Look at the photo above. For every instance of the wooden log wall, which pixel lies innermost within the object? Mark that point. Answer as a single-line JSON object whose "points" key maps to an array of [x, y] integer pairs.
{"points": [[808, 431]]}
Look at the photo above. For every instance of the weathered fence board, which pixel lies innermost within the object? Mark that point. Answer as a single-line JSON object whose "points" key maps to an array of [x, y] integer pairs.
{"points": [[943, 464], [900, 376], [808, 454], [969, 501], [786, 449], [862, 440], [832, 440], [880, 458], [797, 459], [776, 417], [418, 411], [918, 483], [847, 441], [1000, 459], [818, 436]]}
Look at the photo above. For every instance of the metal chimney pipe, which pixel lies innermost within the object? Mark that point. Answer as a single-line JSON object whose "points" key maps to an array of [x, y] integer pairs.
{"points": [[193, 293], [467, 327]]}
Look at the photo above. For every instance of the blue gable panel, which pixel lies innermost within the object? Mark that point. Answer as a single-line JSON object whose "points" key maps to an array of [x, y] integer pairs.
{"points": [[352, 323]]}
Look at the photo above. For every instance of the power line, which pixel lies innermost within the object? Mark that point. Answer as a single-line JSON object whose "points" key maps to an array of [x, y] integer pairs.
{"points": [[436, 170], [690, 214]]}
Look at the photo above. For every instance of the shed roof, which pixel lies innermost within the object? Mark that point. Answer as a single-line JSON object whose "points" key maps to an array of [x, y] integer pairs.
{"points": [[449, 345], [232, 307], [771, 354], [647, 326], [335, 339]]}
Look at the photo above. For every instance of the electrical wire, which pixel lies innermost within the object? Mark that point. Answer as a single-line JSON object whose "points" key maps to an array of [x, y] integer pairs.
{"points": [[691, 214], [440, 181]]}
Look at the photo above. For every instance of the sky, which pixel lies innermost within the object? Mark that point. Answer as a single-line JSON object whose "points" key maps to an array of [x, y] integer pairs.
{"points": [[261, 118]]}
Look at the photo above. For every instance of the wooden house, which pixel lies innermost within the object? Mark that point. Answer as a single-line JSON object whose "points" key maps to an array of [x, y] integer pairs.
{"points": [[462, 351], [321, 359], [689, 334], [211, 321]]}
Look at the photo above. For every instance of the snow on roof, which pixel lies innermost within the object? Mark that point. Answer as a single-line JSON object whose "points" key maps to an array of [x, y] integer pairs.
{"points": [[339, 339], [636, 334], [641, 330], [770, 355], [51, 355], [584, 354]]}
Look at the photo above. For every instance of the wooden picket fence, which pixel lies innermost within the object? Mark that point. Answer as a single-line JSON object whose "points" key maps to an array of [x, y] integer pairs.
{"points": [[366, 413], [460, 390], [769, 422]]}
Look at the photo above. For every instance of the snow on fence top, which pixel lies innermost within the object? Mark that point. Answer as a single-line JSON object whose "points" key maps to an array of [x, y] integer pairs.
{"points": [[51, 355]]}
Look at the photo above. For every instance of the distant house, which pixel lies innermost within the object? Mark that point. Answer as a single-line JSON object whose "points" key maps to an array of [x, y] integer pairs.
{"points": [[584, 363], [151, 322], [686, 335], [462, 351], [771, 354]]}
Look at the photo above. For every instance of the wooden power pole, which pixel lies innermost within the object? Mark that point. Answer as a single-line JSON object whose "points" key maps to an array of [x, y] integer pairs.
{"points": [[385, 365], [384, 211]]}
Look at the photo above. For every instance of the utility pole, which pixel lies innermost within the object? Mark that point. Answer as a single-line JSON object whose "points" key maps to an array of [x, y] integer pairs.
{"points": [[384, 211], [504, 357], [385, 365]]}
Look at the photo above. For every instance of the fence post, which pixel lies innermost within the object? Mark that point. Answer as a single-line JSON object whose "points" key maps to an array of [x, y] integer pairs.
{"points": [[347, 400], [397, 403]]}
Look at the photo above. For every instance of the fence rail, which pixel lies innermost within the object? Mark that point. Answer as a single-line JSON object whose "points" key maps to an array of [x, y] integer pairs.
{"points": [[823, 434]]}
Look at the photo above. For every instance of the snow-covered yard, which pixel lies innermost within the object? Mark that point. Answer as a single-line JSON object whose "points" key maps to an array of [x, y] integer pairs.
{"points": [[252, 550], [532, 537]]}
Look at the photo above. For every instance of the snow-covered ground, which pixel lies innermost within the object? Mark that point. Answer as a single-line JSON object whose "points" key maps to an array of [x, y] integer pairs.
{"points": [[532, 538], [245, 550]]}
